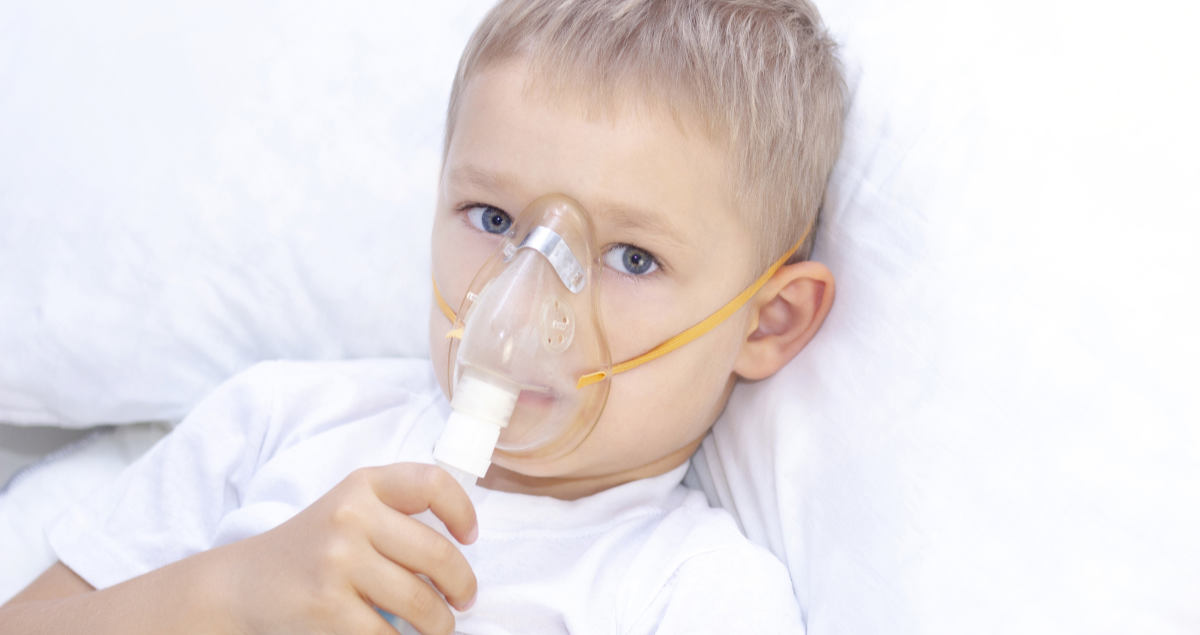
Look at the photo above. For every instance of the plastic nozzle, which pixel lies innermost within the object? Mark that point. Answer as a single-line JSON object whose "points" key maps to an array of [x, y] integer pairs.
{"points": [[480, 409]]}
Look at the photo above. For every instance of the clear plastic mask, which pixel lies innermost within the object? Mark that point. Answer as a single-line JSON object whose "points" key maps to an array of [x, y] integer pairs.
{"points": [[530, 323]]}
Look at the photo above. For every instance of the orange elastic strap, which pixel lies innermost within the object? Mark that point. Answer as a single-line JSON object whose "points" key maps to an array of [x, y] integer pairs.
{"points": [[702, 327], [446, 311], [697, 330]]}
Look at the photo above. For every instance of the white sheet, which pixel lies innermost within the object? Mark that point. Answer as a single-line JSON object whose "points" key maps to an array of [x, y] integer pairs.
{"points": [[40, 492], [995, 432]]}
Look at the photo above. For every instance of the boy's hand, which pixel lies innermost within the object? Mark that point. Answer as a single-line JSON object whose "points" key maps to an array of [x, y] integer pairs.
{"points": [[326, 569]]}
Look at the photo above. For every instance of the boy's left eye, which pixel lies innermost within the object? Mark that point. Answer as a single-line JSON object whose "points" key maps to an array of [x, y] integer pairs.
{"points": [[631, 260], [490, 219]]}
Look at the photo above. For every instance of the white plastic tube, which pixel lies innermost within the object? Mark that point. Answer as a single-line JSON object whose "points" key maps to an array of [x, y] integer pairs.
{"points": [[481, 408]]}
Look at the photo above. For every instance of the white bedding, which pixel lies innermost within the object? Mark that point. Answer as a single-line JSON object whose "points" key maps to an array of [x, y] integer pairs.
{"points": [[995, 431], [36, 494]]}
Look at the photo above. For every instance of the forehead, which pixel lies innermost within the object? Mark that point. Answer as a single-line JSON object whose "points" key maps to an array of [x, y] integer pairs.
{"points": [[633, 166]]}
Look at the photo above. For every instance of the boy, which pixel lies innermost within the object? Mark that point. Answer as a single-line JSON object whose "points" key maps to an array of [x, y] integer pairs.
{"points": [[698, 134]]}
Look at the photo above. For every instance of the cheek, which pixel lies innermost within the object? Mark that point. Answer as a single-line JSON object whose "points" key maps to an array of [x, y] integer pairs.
{"points": [[637, 316], [439, 347], [459, 252], [452, 273], [670, 401]]}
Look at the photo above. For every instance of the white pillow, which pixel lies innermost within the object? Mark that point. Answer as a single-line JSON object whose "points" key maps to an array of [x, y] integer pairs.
{"points": [[186, 189], [996, 430]]}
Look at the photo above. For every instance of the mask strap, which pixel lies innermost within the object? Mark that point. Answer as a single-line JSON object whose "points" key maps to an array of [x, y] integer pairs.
{"points": [[700, 328], [441, 302], [672, 343]]}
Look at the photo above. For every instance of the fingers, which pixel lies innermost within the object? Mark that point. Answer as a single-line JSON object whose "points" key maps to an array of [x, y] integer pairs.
{"points": [[411, 488], [419, 549], [382, 501], [406, 596], [364, 620]]}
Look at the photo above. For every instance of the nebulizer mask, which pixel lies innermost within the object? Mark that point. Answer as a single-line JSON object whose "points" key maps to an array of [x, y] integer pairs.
{"points": [[529, 365], [527, 329]]}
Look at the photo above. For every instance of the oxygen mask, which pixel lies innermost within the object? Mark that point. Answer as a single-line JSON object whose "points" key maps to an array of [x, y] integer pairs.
{"points": [[527, 330]]}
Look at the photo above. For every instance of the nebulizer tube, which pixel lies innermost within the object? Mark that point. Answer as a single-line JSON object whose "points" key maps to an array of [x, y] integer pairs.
{"points": [[480, 409]]}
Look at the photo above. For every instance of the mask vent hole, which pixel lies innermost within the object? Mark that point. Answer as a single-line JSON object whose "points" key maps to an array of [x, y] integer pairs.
{"points": [[558, 325]]}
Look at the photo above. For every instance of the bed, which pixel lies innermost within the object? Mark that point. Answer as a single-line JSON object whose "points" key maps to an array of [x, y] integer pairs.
{"points": [[996, 431]]}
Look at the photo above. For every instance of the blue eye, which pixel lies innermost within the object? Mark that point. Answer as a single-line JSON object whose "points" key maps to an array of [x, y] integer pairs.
{"points": [[631, 260], [490, 219]]}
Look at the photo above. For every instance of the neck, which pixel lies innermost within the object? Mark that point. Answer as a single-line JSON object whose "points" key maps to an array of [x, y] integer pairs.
{"points": [[573, 487]]}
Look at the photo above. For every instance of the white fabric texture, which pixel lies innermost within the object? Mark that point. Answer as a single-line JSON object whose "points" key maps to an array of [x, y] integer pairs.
{"points": [[995, 431], [39, 493], [646, 557], [188, 189]]}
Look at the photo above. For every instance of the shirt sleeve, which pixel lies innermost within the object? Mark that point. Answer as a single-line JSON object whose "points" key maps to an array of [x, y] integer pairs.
{"points": [[735, 590], [167, 504]]}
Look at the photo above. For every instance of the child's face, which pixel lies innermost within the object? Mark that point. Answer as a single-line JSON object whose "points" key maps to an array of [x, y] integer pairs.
{"points": [[673, 244]]}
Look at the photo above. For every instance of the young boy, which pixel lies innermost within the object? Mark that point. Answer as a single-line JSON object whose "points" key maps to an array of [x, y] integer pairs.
{"points": [[698, 135]]}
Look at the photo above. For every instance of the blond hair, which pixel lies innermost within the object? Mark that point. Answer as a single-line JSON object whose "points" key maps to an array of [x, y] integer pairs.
{"points": [[759, 76]]}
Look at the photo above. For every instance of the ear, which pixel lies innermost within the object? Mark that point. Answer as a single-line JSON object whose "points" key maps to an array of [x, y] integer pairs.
{"points": [[785, 314]]}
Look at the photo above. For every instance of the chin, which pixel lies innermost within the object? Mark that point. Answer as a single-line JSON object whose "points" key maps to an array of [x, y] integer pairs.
{"points": [[532, 466]]}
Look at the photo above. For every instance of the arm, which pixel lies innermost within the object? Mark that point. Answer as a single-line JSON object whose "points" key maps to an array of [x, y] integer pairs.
{"points": [[56, 582], [324, 570], [59, 601]]}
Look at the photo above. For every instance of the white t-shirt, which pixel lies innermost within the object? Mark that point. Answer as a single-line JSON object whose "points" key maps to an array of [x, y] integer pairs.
{"points": [[647, 556]]}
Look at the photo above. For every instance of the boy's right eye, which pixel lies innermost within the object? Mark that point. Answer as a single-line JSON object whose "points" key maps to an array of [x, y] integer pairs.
{"points": [[489, 219]]}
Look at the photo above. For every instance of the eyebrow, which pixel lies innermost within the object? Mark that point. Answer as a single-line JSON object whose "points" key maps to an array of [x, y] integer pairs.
{"points": [[477, 176], [622, 216], [629, 218]]}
